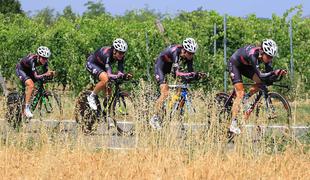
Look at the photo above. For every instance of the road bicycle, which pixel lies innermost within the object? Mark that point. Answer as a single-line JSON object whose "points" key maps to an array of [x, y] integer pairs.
{"points": [[116, 107], [43, 103], [183, 104], [270, 108]]}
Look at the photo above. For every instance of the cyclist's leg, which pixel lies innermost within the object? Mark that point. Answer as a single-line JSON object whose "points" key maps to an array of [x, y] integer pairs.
{"points": [[99, 73], [101, 85], [163, 86], [238, 85], [29, 85], [164, 91], [257, 84]]}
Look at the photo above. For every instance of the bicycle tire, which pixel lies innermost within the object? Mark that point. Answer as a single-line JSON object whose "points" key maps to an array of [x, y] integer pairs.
{"points": [[13, 113], [85, 117], [123, 109], [224, 113], [281, 113], [279, 110]]}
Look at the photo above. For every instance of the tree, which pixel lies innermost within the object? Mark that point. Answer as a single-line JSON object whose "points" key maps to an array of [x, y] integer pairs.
{"points": [[94, 9], [46, 15], [10, 7], [68, 13]]}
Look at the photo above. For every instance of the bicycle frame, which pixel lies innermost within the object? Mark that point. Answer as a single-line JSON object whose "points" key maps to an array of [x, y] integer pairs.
{"points": [[39, 96], [263, 92], [179, 99], [116, 94]]}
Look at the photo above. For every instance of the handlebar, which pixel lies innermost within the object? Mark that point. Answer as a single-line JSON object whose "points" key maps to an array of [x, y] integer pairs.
{"points": [[270, 82], [196, 76], [125, 77]]}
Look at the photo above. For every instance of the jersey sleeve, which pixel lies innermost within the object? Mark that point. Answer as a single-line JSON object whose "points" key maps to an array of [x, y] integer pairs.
{"points": [[190, 67], [107, 66], [121, 66], [268, 67], [254, 63]]}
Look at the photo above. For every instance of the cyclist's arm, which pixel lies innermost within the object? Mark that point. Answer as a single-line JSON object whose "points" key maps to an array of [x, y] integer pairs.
{"points": [[268, 67], [35, 72], [261, 75], [114, 76], [120, 66], [190, 69]]}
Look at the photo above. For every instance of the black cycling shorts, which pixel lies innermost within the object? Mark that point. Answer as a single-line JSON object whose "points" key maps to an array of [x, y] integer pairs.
{"points": [[235, 71], [24, 75], [93, 68]]}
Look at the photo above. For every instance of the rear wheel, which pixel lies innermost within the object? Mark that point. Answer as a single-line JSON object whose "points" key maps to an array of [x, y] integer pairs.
{"points": [[221, 126], [87, 118], [13, 113]]}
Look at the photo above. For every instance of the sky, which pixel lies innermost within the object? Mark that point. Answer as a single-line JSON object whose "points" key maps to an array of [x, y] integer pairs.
{"points": [[242, 8]]}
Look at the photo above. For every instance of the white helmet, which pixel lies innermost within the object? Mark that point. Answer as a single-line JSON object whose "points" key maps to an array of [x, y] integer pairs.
{"points": [[190, 45], [269, 47], [44, 52], [120, 45]]}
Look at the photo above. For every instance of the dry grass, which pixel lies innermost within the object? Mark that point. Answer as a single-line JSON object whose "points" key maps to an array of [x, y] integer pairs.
{"points": [[50, 163], [156, 155]]}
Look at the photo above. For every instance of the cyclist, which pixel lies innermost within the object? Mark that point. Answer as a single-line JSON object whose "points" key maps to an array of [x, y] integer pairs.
{"points": [[169, 61], [99, 65], [26, 70], [245, 61]]}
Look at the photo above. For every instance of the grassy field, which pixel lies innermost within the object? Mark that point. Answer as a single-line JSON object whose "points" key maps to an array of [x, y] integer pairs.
{"points": [[157, 155], [49, 155], [53, 163]]}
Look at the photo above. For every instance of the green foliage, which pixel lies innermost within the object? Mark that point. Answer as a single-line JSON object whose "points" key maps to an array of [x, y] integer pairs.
{"points": [[94, 8], [72, 38], [10, 7]]}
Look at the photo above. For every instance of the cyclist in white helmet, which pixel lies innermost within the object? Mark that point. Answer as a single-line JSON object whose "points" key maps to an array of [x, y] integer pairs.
{"points": [[169, 61], [26, 70], [99, 65], [245, 61]]}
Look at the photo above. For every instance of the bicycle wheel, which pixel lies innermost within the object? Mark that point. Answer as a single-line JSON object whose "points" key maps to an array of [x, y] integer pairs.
{"points": [[273, 120], [275, 110], [50, 106], [123, 113], [221, 126], [13, 113], [224, 111], [87, 118]]}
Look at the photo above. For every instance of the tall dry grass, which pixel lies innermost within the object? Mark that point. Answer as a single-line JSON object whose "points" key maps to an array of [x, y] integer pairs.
{"points": [[62, 163], [167, 154]]}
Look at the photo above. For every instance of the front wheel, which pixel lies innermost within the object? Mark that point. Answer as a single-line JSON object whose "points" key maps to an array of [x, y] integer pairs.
{"points": [[123, 113], [275, 110], [50, 106]]}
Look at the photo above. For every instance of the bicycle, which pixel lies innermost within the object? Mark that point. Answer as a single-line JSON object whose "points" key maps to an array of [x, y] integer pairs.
{"points": [[115, 108], [271, 107], [183, 104], [43, 102]]}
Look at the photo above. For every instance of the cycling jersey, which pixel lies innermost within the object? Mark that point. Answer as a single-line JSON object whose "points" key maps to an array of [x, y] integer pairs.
{"points": [[245, 62], [169, 61], [101, 60], [26, 68]]}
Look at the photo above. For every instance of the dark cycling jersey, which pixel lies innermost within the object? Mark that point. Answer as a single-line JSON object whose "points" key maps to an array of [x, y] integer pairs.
{"points": [[169, 61], [26, 68], [101, 60], [245, 61]]}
